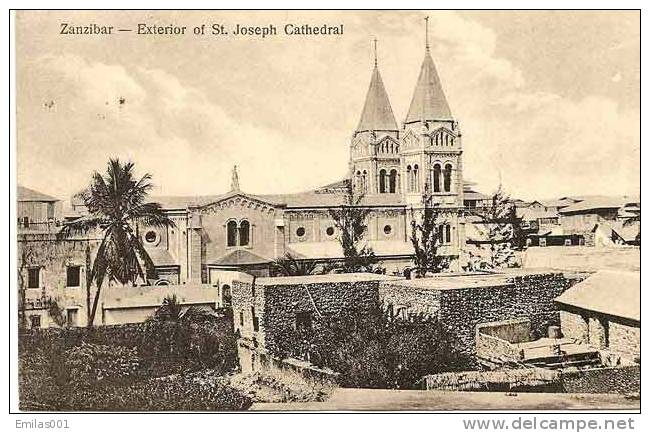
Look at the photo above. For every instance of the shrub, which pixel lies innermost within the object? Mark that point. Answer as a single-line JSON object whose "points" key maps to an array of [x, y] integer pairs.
{"points": [[91, 363], [204, 391]]}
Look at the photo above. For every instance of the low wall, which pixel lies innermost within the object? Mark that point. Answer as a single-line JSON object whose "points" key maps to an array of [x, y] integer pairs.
{"points": [[461, 309], [608, 380]]}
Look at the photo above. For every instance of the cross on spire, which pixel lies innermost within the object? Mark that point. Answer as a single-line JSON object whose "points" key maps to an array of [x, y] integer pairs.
{"points": [[426, 32], [375, 50]]}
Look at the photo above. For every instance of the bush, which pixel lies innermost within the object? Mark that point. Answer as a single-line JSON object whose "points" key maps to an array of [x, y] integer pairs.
{"points": [[204, 391], [374, 349], [91, 363], [110, 367]]}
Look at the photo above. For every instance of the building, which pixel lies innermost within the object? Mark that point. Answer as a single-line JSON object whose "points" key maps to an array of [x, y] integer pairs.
{"points": [[395, 168], [35, 211], [581, 217], [582, 220], [604, 311], [265, 309]]}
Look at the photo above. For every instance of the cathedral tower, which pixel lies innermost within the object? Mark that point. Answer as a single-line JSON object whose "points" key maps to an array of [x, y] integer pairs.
{"points": [[431, 146], [374, 149], [431, 159]]}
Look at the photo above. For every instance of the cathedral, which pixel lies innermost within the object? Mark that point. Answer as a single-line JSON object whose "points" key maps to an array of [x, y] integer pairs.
{"points": [[396, 169]]}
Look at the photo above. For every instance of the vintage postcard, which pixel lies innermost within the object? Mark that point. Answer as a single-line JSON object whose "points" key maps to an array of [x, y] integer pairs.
{"points": [[327, 211]]}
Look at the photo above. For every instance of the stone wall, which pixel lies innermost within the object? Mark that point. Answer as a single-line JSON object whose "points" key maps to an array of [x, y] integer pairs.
{"points": [[408, 300], [574, 326], [276, 303], [624, 338], [461, 309], [611, 380], [494, 340], [597, 332]]}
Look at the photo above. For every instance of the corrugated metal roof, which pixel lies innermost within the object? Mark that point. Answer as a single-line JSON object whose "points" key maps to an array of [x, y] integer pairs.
{"points": [[615, 293]]}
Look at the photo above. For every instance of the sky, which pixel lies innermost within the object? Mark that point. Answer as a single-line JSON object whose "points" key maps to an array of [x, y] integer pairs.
{"points": [[548, 102]]}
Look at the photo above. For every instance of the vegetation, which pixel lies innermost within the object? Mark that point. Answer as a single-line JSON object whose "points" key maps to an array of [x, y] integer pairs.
{"points": [[291, 266], [116, 203], [426, 237], [169, 310], [376, 348], [156, 365], [350, 220], [503, 233]]}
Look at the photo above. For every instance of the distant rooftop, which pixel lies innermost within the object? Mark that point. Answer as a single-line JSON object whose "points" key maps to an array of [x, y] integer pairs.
{"points": [[598, 202]]}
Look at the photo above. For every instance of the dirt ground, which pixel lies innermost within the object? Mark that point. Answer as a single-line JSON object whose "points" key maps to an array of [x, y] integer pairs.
{"points": [[392, 400]]}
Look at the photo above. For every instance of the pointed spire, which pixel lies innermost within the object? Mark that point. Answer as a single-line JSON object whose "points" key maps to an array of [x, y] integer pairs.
{"points": [[234, 181], [429, 101], [377, 114]]}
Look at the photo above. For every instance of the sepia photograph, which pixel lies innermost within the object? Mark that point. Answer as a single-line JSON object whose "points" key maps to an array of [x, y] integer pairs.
{"points": [[326, 211]]}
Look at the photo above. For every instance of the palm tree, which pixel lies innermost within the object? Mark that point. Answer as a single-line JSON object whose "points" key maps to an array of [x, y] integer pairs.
{"points": [[116, 204], [291, 266]]}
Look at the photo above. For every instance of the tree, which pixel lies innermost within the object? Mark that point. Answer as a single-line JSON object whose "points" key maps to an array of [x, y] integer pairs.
{"points": [[116, 204], [503, 233], [350, 219], [290, 265], [374, 346], [426, 238]]}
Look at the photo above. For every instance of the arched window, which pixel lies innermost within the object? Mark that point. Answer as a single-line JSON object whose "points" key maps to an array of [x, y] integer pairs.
{"points": [[416, 178], [392, 182], [382, 181], [232, 233], [447, 233], [408, 178], [358, 180], [364, 181], [244, 233], [447, 177], [436, 178]]}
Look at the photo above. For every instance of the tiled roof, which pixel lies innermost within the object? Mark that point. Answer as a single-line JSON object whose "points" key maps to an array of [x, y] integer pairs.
{"points": [[616, 293], [429, 101], [377, 114], [27, 194]]}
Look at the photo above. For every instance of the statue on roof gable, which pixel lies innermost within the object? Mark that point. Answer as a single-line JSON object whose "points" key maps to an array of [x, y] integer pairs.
{"points": [[234, 181]]}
